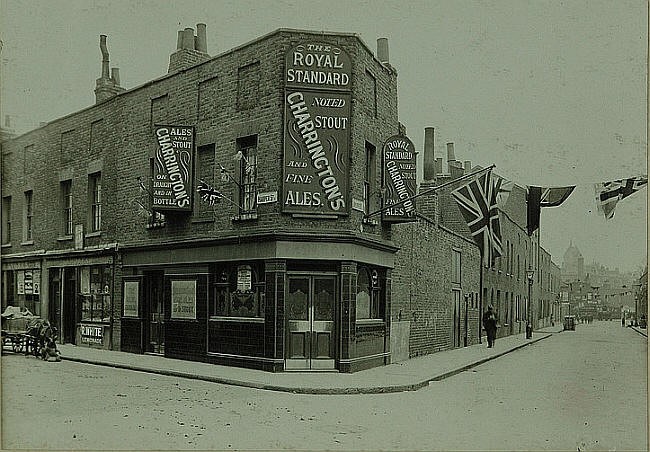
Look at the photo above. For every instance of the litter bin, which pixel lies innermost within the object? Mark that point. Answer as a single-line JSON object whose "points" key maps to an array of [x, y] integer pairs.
{"points": [[569, 323]]}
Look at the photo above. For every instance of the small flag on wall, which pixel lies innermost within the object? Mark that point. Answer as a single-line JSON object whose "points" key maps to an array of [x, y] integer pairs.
{"points": [[503, 188], [209, 194], [608, 194], [539, 197], [477, 202]]}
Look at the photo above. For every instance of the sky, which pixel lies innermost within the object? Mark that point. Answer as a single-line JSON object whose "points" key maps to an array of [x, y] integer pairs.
{"points": [[553, 93]]}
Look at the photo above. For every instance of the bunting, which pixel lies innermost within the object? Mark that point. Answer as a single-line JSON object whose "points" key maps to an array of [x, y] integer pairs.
{"points": [[477, 201], [608, 194], [539, 197]]}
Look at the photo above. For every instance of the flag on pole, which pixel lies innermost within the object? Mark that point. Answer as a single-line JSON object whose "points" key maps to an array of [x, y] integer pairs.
{"points": [[209, 194], [610, 193], [503, 188], [477, 201], [539, 197]]}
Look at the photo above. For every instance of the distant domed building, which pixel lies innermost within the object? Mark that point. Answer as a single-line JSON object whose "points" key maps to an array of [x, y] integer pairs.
{"points": [[573, 264]]}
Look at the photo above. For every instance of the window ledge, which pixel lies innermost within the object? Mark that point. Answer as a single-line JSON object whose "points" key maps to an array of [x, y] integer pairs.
{"points": [[364, 322], [236, 319], [202, 220], [6, 245], [93, 234], [65, 237], [245, 217], [28, 242]]}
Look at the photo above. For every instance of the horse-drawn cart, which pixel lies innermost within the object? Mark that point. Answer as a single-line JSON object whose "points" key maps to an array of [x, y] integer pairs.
{"points": [[27, 333]]}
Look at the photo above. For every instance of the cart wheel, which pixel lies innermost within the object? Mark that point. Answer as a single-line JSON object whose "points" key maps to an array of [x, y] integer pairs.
{"points": [[15, 344]]}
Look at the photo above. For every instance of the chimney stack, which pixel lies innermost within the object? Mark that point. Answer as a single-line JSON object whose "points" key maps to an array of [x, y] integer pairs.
{"points": [[190, 49], [451, 158], [107, 85], [382, 50], [429, 167]]}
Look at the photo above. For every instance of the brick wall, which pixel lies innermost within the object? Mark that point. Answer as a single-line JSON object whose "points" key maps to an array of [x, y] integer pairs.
{"points": [[422, 285]]}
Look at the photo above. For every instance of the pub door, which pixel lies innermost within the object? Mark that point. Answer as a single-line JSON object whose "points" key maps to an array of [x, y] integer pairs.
{"points": [[457, 316], [70, 311], [310, 314], [154, 312]]}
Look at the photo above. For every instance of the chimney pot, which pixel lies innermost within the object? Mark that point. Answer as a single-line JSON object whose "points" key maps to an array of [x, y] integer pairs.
{"points": [[429, 157], [188, 38], [115, 75], [7, 121], [105, 61], [468, 166], [382, 50], [202, 41], [179, 40]]}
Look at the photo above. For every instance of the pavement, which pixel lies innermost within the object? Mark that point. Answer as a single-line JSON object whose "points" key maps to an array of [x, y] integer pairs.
{"points": [[408, 375]]}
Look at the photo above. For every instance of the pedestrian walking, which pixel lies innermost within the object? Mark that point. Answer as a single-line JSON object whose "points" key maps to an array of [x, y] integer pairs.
{"points": [[490, 325], [623, 320]]}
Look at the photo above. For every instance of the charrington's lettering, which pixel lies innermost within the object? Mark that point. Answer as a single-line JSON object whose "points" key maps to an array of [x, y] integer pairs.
{"points": [[319, 161], [166, 148]]}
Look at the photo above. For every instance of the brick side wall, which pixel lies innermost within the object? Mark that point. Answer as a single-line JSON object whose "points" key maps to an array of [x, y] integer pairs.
{"points": [[422, 287]]}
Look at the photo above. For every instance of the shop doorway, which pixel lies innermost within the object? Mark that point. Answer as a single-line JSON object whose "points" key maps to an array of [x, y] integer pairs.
{"points": [[54, 308], [310, 313], [155, 312], [70, 311]]}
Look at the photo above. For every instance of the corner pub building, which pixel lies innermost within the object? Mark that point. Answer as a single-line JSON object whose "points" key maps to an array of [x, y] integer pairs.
{"points": [[273, 263]]}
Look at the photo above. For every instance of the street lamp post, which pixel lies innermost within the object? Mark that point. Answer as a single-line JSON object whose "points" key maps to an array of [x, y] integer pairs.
{"points": [[530, 273]]}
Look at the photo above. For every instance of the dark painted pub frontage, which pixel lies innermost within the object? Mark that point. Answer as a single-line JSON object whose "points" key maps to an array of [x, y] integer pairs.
{"points": [[265, 304]]}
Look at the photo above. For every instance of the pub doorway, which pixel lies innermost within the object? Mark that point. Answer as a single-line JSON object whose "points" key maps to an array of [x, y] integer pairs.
{"points": [[310, 313]]}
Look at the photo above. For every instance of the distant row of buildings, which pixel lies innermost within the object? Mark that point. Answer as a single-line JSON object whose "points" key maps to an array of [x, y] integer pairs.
{"points": [[281, 262]]}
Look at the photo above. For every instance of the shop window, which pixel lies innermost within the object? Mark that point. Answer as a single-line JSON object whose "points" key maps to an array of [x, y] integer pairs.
{"points": [[6, 220], [95, 198], [96, 284], [66, 207], [247, 156], [28, 216], [368, 295], [238, 293], [8, 289]]}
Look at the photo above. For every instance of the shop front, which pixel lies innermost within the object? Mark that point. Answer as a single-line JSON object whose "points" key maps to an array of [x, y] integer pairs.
{"points": [[273, 313], [21, 285], [81, 299]]}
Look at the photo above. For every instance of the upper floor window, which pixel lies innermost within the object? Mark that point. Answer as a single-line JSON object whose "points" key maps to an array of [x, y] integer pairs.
{"points": [[66, 207], [247, 156], [29, 216], [369, 179], [6, 220], [455, 267], [95, 198]]}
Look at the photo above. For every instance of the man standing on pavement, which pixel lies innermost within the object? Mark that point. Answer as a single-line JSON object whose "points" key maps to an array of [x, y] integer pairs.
{"points": [[490, 325]]}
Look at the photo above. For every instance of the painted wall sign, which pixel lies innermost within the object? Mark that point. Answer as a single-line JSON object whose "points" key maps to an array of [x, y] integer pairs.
{"points": [[317, 130], [92, 334], [172, 179], [267, 197], [183, 299], [131, 298], [318, 65], [399, 179]]}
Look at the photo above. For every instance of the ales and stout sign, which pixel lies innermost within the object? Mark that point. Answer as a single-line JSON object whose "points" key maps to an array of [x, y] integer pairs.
{"points": [[172, 178], [316, 130], [399, 180]]}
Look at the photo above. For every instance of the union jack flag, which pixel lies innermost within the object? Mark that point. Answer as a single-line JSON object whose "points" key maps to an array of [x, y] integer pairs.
{"points": [[209, 194], [610, 193], [538, 197], [477, 202]]}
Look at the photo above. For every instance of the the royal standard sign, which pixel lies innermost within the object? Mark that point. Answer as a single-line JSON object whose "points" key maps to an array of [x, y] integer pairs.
{"points": [[172, 178], [316, 130], [399, 179]]}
